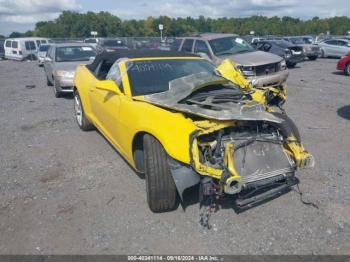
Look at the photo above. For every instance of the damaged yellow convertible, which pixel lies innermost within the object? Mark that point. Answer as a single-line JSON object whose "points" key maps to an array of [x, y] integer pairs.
{"points": [[182, 122]]}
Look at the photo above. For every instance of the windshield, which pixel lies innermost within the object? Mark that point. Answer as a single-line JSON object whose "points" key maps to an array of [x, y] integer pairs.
{"points": [[91, 41], [282, 43], [74, 53], [297, 41], [153, 76], [230, 46], [113, 43], [307, 40], [44, 48]]}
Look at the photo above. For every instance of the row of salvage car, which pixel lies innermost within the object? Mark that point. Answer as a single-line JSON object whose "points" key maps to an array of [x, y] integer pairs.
{"points": [[184, 119]]}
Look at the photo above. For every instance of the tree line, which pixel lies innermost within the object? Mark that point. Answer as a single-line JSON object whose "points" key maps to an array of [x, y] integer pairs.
{"points": [[78, 25]]}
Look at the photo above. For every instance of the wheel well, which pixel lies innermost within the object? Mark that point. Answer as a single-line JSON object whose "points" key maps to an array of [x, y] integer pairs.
{"points": [[137, 151]]}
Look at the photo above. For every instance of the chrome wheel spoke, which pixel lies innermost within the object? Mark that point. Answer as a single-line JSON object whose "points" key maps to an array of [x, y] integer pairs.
{"points": [[78, 110]]}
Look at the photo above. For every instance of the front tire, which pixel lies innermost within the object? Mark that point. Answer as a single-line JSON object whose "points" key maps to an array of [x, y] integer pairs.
{"points": [[160, 185], [82, 121], [48, 82], [55, 91], [347, 69], [323, 55], [312, 58]]}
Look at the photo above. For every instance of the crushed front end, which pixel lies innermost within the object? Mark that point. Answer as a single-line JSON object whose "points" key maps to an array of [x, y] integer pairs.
{"points": [[239, 143], [244, 155]]}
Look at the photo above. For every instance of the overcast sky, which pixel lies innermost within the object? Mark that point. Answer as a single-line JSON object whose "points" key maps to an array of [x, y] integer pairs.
{"points": [[21, 15]]}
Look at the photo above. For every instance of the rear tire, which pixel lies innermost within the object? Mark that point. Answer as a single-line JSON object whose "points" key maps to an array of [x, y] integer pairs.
{"points": [[291, 65], [48, 82], [160, 185], [82, 121], [347, 69]]}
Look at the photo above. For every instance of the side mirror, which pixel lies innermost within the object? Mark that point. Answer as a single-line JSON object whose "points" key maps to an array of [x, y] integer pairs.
{"points": [[109, 86], [48, 59]]}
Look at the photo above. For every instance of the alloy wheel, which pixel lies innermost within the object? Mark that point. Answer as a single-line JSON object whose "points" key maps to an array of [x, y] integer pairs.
{"points": [[78, 110]]}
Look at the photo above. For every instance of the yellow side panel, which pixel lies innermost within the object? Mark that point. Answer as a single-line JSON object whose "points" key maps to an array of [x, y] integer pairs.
{"points": [[173, 130]]}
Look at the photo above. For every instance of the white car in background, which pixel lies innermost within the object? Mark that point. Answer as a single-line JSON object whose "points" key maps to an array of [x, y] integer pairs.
{"points": [[335, 47], [42, 53], [92, 41]]}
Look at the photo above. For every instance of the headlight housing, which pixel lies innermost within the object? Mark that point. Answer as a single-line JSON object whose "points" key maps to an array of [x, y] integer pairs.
{"points": [[247, 70], [287, 53], [68, 74], [283, 65]]}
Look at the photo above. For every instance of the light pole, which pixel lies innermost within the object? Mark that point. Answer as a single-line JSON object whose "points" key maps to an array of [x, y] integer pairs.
{"points": [[94, 33], [161, 27]]}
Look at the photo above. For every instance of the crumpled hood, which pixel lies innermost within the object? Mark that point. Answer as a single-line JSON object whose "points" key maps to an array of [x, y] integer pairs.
{"points": [[254, 58], [180, 89]]}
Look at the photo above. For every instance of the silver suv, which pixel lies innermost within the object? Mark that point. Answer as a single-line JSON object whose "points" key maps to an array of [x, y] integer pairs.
{"points": [[260, 68]]}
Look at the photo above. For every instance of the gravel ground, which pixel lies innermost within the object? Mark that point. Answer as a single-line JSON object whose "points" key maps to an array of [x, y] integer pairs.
{"points": [[64, 191]]}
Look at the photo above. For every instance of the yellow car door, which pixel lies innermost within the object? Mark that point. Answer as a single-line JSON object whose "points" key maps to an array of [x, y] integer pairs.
{"points": [[105, 99]]}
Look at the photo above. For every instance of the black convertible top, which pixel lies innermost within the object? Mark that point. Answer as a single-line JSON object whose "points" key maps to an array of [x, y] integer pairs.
{"points": [[134, 53]]}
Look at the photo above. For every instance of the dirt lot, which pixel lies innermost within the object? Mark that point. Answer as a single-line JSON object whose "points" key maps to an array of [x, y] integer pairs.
{"points": [[64, 191]]}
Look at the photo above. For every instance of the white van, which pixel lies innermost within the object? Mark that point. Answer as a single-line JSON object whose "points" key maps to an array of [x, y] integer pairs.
{"points": [[23, 48]]}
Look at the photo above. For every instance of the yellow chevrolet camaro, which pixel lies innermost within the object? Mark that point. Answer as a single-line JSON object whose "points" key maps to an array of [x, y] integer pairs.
{"points": [[181, 121]]}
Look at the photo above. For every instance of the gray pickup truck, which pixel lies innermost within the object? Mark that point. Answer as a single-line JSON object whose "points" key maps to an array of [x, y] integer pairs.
{"points": [[260, 68]]}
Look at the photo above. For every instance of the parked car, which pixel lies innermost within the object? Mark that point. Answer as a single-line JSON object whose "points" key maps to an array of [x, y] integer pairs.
{"points": [[2, 49], [61, 62], [42, 53], [335, 47], [293, 54], [311, 51], [181, 121], [308, 39], [322, 37], [260, 68], [110, 44], [23, 48], [344, 64], [92, 41]]}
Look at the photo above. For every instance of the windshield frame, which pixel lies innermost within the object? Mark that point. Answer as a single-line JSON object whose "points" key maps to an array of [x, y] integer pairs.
{"points": [[248, 47], [74, 46]]}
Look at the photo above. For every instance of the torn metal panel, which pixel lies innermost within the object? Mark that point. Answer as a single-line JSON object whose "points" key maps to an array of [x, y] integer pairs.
{"points": [[177, 98], [184, 176]]}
